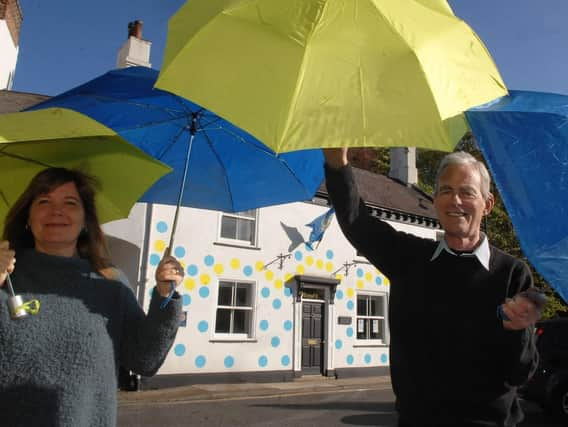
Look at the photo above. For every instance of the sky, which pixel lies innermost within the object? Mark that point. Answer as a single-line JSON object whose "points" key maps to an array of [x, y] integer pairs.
{"points": [[64, 43]]}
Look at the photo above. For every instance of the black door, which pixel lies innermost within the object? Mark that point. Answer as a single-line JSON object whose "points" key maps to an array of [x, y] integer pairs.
{"points": [[312, 338]]}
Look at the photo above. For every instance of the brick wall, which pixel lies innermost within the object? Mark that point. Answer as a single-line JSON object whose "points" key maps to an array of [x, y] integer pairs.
{"points": [[11, 12]]}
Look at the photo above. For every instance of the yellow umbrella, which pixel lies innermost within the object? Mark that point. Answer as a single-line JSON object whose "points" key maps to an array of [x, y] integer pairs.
{"points": [[330, 73], [57, 137]]}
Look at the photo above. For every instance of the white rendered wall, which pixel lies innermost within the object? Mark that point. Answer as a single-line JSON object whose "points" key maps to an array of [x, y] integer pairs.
{"points": [[8, 56]]}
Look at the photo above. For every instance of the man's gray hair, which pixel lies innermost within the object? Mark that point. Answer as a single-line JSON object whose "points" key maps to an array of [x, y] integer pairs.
{"points": [[463, 158]]}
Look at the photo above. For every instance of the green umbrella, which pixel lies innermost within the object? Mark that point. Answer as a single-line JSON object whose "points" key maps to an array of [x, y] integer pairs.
{"points": [[331, 73], [57, 137]]}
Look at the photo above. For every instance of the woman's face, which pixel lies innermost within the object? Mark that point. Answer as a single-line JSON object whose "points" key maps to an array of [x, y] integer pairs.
{"points": [[56, 220]]}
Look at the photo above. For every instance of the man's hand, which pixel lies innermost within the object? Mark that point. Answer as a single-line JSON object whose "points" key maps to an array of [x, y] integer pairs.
{"points": [[336, 158], [522, 311], [7, 260]]}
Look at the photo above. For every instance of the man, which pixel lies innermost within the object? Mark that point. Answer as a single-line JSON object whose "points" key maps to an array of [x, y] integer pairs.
{"points": [[461, 335]]}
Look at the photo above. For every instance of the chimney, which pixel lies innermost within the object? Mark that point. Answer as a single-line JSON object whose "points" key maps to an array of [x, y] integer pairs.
{"points": [[135, 51], [403, 165]]}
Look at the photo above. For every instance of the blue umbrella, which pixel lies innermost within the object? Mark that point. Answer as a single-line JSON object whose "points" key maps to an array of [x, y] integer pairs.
{"points": [[524, 138], [215, 164]]}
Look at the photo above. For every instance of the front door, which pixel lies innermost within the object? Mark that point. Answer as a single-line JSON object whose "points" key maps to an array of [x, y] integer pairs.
{"points": [[312, 337]]}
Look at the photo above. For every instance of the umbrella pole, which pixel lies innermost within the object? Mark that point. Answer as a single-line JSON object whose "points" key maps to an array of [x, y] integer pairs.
{"points": [[192, 131]]}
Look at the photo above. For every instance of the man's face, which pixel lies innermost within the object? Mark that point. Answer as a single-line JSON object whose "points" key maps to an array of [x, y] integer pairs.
{"points": [[460, 205]]}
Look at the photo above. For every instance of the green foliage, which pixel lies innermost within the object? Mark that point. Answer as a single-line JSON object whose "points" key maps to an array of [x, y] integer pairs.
{"points": [[497, 225]]}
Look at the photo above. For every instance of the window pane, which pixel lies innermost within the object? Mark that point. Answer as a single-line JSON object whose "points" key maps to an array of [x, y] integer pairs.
{"points": [[225, 294], [377, 306], [362, 329], [362, 305], [249, 214], [245, 230], [243, 293], [228, 227], [241, 322], [377, 329], [223, 321]]}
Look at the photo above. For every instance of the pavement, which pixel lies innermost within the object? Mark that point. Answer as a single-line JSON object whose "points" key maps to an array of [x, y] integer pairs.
{"points": [[309, 384]]}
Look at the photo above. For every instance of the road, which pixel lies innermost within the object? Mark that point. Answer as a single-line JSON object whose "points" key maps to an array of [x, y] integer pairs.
{"points": [[352, 408]]}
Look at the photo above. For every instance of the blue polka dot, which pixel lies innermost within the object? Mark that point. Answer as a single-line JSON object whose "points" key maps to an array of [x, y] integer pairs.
{"points": [[275, 342], [367, 358], [338, 344], [285, 360], [204, 292], [264, 325], [179, 252], [349, 332], [247, 270], [329, 254], [298, 256], [379, 280], [162, 227], [265, 292], [179, 350], [350, 359], [203, 326], [339, 294], [209, 260], [308, 247], [384, 358], [229, 362], [349, 305], [186, 299], [154, 259], [192, 270], [288, 325], [287, 292], [200, 361], [276, 304], [262, 361], [360, 272]]}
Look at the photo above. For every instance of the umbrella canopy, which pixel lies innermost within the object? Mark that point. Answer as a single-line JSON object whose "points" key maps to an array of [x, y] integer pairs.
{"points": [[524, 138], [33, 141], [228, 169], [330, 73]]}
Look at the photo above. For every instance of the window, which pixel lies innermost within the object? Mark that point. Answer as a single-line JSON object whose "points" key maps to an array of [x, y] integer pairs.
{"points": [[234, 308], [371, 323], [240, 226]]}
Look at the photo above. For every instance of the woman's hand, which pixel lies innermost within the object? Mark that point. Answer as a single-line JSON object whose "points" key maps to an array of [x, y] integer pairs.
{"points": [[7, 260], [336, 158], [169, 270]]}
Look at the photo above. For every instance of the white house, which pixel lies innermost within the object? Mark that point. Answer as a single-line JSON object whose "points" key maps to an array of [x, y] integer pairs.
{"points": [[10, 24]]}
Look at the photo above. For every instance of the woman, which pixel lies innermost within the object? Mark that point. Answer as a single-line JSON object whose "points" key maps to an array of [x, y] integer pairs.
{"points": [[59, 367]]}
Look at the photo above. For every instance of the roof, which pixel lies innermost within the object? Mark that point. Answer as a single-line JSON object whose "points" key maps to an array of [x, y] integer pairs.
{"points": [[390, 199], [12, 101]]}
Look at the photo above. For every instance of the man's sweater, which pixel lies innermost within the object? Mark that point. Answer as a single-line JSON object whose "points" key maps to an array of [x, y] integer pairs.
{"points": [[59, 367], [452, 361]]}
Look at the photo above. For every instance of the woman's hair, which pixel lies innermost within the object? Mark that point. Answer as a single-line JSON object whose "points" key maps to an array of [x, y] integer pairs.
{"points": [[91, 243], [463, 158]]}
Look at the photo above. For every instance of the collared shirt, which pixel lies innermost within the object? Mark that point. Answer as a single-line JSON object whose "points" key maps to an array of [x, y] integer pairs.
{"points": [[481, 252]]}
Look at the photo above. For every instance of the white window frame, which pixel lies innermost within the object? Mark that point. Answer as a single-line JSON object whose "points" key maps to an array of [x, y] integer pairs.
{"points": [[239, 242], [228, 336], [386, 338]]}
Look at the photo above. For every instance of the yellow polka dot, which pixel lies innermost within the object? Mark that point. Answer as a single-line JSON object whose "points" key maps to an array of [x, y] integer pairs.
{"points": [[359, 284], [368, 276], [259, 265], [205, 279], [189, 283], [182, 264], [350, 292], [329, 266], [160, 246], [386, 281], [269, 275], [319, 264], [339, 276], [218, 269], [300, 269], [235, 264], [309, 260], [278, 284], [288, 276]]}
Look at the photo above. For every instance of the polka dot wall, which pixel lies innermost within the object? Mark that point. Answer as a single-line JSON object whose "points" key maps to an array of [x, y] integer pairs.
{"points": [[198, 348]]}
